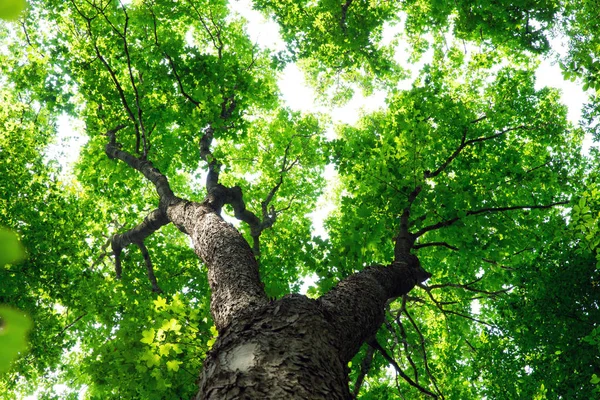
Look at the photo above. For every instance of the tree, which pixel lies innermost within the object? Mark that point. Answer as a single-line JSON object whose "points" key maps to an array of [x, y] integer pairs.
{"points": [[461, 257]]}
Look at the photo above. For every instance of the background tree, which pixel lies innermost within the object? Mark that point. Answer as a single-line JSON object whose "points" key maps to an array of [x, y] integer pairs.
{"points": [[471, 178]]}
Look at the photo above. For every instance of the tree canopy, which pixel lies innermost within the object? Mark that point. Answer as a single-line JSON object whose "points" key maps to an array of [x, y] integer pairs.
{"points": [[470, 165]]}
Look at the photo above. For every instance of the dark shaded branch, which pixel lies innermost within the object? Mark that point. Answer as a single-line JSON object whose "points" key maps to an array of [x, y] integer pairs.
{"points": [[144, 166], [219, 195], [451, 221], [107, 66], [345, 8], [404, 240], [375, 344], [171, 61], [423, 350], [153, 222], [404, 338], [357, 303], [149, 267], [443, 244], [216, 37], [365, 366], [63, 330], [140, 129], [455, 153]]}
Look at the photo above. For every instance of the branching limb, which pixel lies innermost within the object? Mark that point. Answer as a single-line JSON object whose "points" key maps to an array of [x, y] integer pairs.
{"points": [[464, 143], [108, 67], [219, 195], [375, 344], [144, 166], [405, 340], [139, 123], [154, 221], [423, 350], [485, 210]]}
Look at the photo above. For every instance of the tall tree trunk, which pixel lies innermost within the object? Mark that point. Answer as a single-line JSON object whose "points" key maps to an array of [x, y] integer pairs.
{"points": [[292, 348]]}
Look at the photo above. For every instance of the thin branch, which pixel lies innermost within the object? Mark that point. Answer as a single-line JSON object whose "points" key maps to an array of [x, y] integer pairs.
{"points": [[365, 366], [430, 244], [405, 339], [140, 121], [466, 286], [63, 330], [451, 221], [423, 350], [345, 7], [464, 143], [375, 344], [445, 311]]}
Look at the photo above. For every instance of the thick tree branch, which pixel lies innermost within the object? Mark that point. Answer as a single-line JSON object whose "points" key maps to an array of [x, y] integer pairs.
{"points": [[232, 269], [404, 240], [219, 195], [345, 8], [485, 210], [356, 306], [144, 166], [153, 222]]}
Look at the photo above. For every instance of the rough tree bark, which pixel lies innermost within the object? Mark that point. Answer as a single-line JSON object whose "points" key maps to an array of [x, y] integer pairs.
{"points": [[292, 348]]}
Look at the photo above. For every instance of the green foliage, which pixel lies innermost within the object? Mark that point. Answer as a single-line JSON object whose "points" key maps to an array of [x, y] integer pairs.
{"points": [[511, 309], [11, 250], [11, 9], [14, 326]]}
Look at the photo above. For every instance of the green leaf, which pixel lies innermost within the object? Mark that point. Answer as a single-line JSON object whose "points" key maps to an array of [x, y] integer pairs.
{"points": [[14, 327], [11, 250], [160, 303], [173, 365], [148, 336]]}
